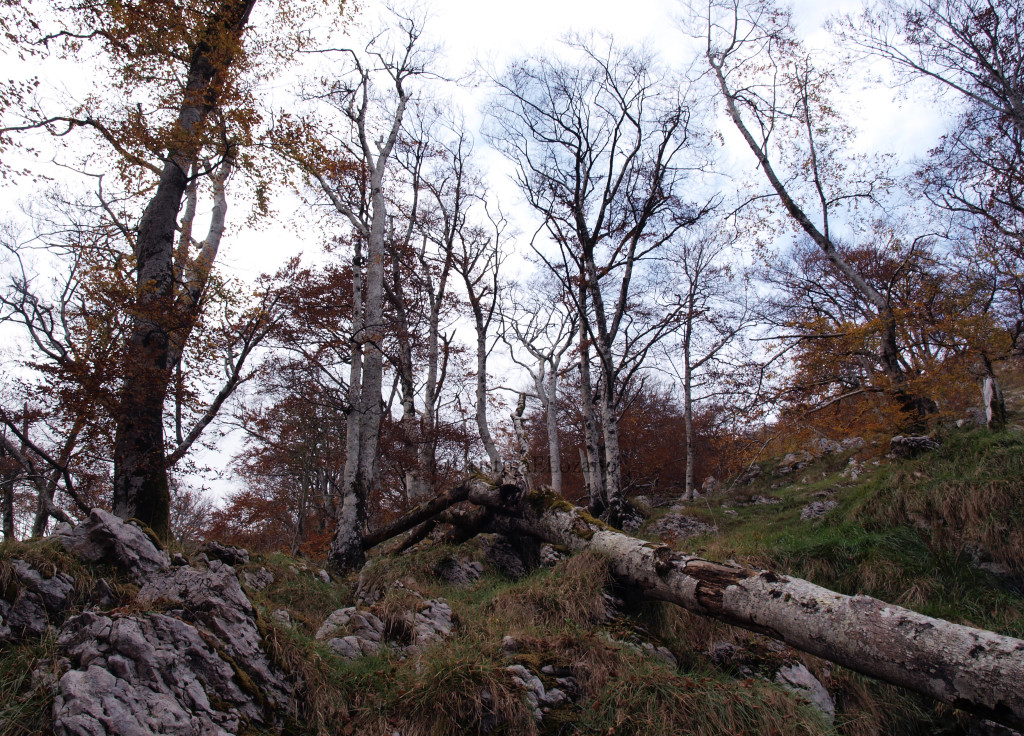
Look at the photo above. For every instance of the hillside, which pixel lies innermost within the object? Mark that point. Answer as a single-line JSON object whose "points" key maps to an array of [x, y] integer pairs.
{"points": [[467, 639]]}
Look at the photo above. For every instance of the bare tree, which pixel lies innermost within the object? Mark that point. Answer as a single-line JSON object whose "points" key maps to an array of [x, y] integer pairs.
{"points": [[539, 319], [351, 166], [780, 103], [601, 148], [716, 307]]}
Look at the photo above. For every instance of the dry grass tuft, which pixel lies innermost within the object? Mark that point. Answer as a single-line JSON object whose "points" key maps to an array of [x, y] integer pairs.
{"points": [[571, 594]]}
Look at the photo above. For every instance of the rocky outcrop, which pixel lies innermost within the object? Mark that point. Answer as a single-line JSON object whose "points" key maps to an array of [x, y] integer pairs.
{"points": [[353, 632], [817, 510], [185, 658], [105, 539], [680, 526], [147, 674]]}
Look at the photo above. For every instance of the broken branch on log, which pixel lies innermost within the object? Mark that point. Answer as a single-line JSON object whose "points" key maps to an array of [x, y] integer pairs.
{"points": [[968, 668]]}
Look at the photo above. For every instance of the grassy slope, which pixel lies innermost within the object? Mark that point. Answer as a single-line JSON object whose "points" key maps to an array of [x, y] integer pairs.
{"points": [[908, 532]]}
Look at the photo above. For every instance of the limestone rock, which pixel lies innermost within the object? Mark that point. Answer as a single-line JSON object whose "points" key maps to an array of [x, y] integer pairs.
{"points": [[551, 555], [351, 633], [906, 446], [798, 679], [5, 629], [816, 510], [794, 461], [104, 538], [225, 553], [258, 580], [54, 592], [751, 473], [680, 526], [146, 674], [213, 600], [538, 697], [459, 572], [514, 559], [27, 616], [433, 623]]}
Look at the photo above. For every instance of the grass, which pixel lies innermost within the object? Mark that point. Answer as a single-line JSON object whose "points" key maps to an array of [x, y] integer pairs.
{"points": [[910, 532], [25, 702]]}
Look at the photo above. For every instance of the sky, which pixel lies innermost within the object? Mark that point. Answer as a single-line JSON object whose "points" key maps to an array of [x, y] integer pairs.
{"points": [[491, 33]]}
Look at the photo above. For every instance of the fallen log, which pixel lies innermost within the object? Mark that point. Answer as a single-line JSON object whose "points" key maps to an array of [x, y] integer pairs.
{"points": [[971, 669]]}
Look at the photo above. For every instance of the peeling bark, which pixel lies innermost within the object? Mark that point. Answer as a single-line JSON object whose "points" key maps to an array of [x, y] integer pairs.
{"points": [[968, 668]]}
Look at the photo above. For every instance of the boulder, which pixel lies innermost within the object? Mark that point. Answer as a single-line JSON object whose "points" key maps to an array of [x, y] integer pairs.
{"points": [[225, 553], [103, 538], [749, 475], [458, 572], [146, 674], [798, 679], [257, 580], [214, 601], [794, 461], [55, 592]]}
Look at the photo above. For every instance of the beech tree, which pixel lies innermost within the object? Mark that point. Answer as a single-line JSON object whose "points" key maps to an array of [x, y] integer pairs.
{"points": [[350, 162], [716, 307], [181, 111], [539, 319], [970, 51], [780, 103], [601, 150]]}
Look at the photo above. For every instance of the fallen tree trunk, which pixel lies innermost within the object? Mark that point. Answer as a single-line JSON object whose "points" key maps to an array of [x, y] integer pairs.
{"points": [[968, 668]]}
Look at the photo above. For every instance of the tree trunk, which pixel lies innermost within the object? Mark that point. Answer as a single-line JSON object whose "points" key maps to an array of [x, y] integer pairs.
{"points": [[550, 391], [614, 491], [8, 477], [140, 476], [968, 668], [598, 497], [691, 490], [971, 669]]}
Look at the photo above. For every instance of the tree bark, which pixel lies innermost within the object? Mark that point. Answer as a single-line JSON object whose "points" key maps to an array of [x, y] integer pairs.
{"points": [[968, 668], [141, 489]]}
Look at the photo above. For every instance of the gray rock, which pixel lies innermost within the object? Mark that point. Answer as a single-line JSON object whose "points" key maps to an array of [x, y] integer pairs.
{"points": [[353, 647], [5, 630], [510, 559], [794, 461], [816, 510], [324, 576], [798, 679], [104, 538], [907, 446], [213, 600], [27, 617], [749, 475], [54, 592], [459, 572], [148, 674], [225, 553], [433, 623], [550, 556], [680, 526], [363, 624], [258, 580]]}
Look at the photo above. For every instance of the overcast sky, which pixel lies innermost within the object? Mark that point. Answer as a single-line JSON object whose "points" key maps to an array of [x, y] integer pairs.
{"points": [[492, 33]]}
